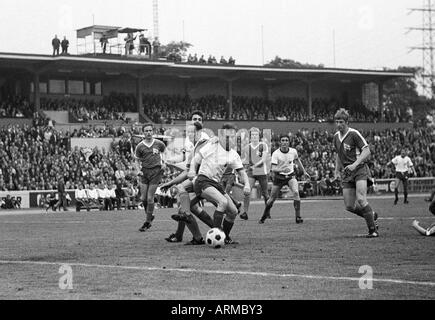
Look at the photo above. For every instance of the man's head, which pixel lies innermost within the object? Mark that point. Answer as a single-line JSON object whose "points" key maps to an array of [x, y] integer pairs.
{"points": [[227, 136], [403, 153], [284, 141], [197, 116], [254, 134], [194, 131], [342, 119], [148, 130]]}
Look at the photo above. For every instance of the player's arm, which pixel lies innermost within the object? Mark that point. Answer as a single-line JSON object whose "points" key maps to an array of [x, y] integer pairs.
{"points": [[263, 158], [179, 179], [300, 165], [245, 179], [411, 166], [338, 168], [194, 165]]}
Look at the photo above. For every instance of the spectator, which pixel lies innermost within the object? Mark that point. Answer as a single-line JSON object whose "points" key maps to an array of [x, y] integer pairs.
{"points": [[81, 198], [129, 43], [56, 45], [223, 61], [231, 61], [65, 45], [104, 41]]}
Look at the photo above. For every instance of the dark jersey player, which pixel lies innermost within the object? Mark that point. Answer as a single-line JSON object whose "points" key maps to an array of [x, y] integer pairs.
{"points": [[351, 168], [149, 153], [256, 156], [430, 231]]}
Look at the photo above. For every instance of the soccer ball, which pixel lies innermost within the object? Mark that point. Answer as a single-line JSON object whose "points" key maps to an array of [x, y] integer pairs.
{"points": [[215, 238]]}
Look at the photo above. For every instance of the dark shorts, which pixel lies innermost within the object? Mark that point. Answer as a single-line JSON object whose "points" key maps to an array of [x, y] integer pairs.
{"points": [[202, 183], [402, 176], [360, 173], [280, 181], [152, 176]]}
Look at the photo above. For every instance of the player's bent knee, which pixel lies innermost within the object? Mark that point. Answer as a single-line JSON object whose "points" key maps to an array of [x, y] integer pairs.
{"points": [[432, 208], [230, 217]]}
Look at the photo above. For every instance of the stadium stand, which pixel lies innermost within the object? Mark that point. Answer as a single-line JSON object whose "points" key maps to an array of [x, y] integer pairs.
{"points": [[15, 107], [33, 156], [112, 107], [168, 108]]}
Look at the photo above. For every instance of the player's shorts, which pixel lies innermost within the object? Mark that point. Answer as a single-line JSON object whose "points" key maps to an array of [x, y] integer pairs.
{"points": [[152, 176], [402, 176], [202, 183], [280, 180], [360, 173]]}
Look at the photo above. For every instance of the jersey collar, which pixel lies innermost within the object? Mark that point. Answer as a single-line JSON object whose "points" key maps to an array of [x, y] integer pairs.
{"points": [[344, 137], [148, 145]]}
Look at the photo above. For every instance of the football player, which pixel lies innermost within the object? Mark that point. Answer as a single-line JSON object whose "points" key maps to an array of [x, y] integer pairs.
{"points": [[431, 230], [149, 154], [403, 165], [256, 156], [210, 163], [283, 161], [184, 188], [351, 168]]}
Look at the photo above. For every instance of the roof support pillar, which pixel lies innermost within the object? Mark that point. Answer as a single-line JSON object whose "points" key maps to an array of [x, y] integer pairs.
{"points": [[139, 100], [230, 98], [309, 98], [36, 92], [381, 99]]}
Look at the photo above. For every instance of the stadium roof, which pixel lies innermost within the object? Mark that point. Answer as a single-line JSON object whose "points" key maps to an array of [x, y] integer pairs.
{"points": [[117, 65]]}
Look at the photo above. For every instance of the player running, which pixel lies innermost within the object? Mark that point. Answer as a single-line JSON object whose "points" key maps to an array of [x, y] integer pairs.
{"points": [[403, 166], [431, 230], [256, 157], [352, 154], [149, 153], [184, 189], [212, 160], [283, 161]]}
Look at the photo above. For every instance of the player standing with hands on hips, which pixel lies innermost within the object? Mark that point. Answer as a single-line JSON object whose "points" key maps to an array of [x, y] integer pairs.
{"points": [[403, 166], [283, 161], [149, 154], [351, 168]]}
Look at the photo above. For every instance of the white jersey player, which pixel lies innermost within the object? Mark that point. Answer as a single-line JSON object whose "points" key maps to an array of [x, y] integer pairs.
{"points": [[403, 166]]}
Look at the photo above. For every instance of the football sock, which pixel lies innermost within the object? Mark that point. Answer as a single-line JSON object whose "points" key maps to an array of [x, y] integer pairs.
{"points": [[420, 229], [246, 203], [297, 205], [217, 219], [194, 228], [150, 211], [367, 212], [180, 229], [396, 194], [431, 230], [204, 217], [227, 226], [236, 203], [432, 207], [184, 202], [267, 210]]}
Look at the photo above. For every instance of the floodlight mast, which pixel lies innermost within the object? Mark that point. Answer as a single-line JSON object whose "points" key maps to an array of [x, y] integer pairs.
{"points": [[156, 18]]}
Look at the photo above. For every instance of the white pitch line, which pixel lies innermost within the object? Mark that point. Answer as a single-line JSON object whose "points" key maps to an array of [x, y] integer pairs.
{"points": [[221, 272], [170, 220]]}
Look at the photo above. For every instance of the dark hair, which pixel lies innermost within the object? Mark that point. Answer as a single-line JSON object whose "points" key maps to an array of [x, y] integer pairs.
{"points": [[147, 125], [197, 112], [284, 136], [229, 126]]}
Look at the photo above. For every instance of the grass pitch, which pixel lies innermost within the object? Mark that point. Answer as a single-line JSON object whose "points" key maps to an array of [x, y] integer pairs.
{"points": [[320, 259]]}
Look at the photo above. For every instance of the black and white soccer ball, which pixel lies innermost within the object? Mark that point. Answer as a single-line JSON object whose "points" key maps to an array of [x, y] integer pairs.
{"points": [[215, 238]]}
